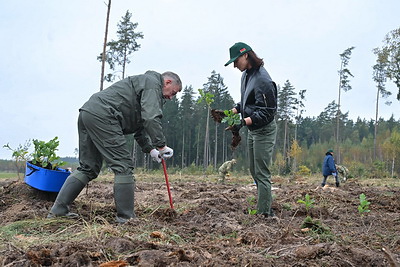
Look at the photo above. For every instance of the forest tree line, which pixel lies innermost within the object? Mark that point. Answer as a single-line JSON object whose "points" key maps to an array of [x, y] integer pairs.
{"points": [[301, 141], [368, 148]]}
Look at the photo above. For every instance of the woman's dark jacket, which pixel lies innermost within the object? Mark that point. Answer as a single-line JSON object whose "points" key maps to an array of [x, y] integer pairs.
{"points": [[259, 97]]}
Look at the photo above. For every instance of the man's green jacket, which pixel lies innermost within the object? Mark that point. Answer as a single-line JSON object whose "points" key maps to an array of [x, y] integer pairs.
{"points": [[135, 103]]}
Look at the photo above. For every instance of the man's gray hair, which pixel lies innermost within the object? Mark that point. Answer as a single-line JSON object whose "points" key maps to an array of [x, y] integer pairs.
{"points": [[173, 76]]}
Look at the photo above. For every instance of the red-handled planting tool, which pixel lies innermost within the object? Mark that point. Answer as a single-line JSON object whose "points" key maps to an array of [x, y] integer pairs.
{"points": [[166, 181]]}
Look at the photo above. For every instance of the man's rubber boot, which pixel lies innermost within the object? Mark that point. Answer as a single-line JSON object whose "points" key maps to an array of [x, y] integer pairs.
{"points": [[337, 184], [124, 193], [69, 191]]}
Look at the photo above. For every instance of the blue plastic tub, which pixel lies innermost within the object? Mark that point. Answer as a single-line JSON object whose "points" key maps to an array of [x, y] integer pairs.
{"points": [[45, 179]]}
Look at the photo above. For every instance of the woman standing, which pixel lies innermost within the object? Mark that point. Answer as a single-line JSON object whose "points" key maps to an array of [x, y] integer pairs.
{"points": [[258, 108]]}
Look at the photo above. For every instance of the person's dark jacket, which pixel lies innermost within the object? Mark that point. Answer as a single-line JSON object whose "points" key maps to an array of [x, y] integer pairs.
{"points": [[259, 97], [136, 104], [328, 167]]}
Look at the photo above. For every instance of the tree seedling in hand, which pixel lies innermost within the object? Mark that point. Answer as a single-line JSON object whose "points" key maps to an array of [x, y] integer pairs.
{"points": [[231, 118]]}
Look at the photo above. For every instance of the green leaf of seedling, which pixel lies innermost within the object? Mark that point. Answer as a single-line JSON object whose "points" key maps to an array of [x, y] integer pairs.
{"points": [[308, 202], [364, 205], [231, 118]]}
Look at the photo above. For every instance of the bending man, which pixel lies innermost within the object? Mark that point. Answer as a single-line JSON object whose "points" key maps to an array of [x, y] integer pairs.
{"points": [[130, 106]]}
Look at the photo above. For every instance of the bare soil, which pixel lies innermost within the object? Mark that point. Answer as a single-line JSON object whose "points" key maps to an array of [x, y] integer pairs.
{"points": [[210, 225]]}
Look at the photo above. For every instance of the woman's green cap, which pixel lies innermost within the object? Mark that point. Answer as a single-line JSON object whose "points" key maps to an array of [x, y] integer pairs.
{"points": [[237, 50]]}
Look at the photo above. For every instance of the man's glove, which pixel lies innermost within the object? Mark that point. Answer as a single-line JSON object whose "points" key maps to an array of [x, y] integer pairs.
{"points": [[217, 115], [334, 174], [166, 152], [155, 155]]}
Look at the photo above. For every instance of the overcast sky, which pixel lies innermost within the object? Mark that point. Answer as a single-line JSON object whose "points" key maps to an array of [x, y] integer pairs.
{"points": [[48, 66]]}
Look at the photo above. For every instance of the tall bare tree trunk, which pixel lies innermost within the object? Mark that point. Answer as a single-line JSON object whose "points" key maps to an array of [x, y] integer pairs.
{"points": [[206, 141], [338, 118], [183, 148], [393, 166], [216, 145], [189, 148], [285, 143], [103, 60], [197, 147], [376, 122], [223, 147], [123, 65]]}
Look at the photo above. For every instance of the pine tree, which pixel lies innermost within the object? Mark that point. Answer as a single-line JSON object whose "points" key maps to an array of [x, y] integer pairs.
{"points": [[391, 54], [120, 50], [344, 84], [285, 113], [299, 110], [325, 122], [379, 76], [186, 110], [171, 122], [221, 99]]}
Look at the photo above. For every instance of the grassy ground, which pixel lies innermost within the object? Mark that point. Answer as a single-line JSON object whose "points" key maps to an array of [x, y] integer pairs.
{"points": [[8, 175], [158, 176]]}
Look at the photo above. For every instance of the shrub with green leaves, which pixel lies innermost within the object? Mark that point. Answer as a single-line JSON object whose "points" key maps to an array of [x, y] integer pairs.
{"points": [[44, 154], [20, 155], [304, 170]]}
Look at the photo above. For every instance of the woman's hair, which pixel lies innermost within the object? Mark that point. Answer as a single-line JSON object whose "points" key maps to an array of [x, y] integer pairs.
{"points": [[255, 61]]}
